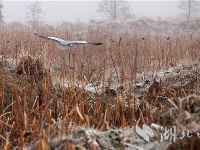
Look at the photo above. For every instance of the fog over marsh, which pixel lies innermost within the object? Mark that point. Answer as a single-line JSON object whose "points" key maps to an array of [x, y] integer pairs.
{"points": [[59, 11]]}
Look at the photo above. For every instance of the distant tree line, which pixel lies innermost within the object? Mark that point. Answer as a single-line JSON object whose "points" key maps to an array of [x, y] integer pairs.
{"points": [[113, 9]]}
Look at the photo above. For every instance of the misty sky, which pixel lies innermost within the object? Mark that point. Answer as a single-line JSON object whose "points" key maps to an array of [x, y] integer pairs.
{"points": [[58, 11]]}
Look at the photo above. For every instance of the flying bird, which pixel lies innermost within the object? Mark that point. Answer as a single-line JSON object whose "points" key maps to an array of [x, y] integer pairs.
{"points": [[65, 45]]}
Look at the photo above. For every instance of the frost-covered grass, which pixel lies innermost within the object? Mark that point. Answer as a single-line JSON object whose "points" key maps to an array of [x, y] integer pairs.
{"points": [[109, 86]]}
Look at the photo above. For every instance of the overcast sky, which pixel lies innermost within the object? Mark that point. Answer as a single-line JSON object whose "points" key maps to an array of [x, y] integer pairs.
{"points": [[58, 11]]}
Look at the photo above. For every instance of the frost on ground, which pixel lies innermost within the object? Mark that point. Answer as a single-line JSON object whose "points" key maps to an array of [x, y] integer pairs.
{"points": [[147, 73], [171, 111], [185, 118]]}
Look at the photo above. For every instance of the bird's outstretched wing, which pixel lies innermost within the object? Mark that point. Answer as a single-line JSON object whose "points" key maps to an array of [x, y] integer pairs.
{"points": [[64, 45], [83, 42], [51, 38]]}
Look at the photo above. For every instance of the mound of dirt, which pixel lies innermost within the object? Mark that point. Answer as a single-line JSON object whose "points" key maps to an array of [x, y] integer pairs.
{"points": [[6, 83], [33, 68], [29, 78]]}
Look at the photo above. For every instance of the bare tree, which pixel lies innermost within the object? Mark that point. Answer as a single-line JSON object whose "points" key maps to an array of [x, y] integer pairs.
{"points": [[190, 8], [115, 9], [34, 14], [1, 15]]}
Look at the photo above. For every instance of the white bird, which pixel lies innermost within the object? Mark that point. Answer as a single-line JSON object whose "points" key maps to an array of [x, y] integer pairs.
{"points": [[65, 45]]}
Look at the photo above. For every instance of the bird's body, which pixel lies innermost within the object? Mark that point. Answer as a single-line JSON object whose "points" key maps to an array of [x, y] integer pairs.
{"points": [[65, 45]]}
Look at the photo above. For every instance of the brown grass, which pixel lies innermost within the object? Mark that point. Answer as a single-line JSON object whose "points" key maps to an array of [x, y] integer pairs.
{"points": [[41, 99]]}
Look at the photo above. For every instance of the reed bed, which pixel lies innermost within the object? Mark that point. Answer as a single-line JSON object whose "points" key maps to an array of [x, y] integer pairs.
{"points": [[45, 94]]}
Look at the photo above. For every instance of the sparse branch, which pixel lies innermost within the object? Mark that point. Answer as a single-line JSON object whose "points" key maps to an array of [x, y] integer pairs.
{"points": [[34, 14], [190, 8], [115, 9]]}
